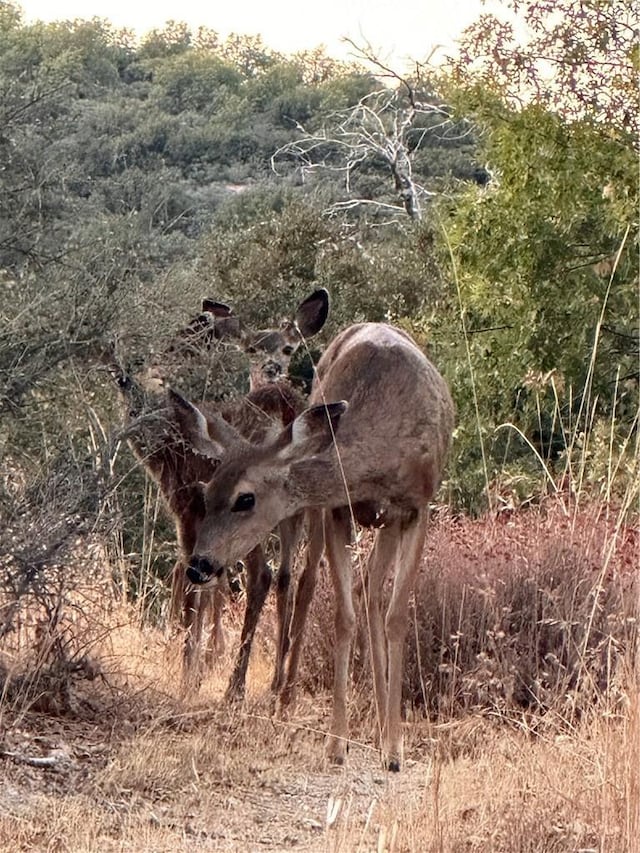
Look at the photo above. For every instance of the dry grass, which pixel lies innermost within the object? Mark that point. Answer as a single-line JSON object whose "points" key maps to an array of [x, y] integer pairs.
{"points": [[218, 782], [522, 734], [533, 613]]}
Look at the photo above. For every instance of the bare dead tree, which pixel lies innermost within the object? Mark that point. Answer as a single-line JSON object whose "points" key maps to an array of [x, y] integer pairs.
{"points": [[381, 126]]}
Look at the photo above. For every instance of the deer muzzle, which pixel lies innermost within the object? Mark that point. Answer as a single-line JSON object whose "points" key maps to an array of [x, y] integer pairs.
{"points": [[271, 371], [201, 570]]}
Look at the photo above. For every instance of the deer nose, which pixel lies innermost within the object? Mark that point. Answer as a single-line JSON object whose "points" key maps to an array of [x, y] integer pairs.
{"points": [[201, 570], [271, 370]]}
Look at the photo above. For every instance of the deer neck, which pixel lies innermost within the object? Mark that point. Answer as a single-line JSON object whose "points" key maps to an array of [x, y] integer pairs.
{"points": [[320, 482]]}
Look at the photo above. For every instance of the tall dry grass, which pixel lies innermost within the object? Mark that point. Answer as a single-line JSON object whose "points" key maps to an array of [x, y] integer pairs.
{"points": [[532, 612], [521, 701]]}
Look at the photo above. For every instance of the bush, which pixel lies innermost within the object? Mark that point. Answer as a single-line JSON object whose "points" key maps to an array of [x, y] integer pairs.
{"points": [[531, 613]]}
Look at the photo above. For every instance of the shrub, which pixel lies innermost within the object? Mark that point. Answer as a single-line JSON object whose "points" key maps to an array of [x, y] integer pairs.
{"points": [[528, 613]]}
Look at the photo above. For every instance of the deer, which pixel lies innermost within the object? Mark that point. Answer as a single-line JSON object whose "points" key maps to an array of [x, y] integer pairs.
{"points": [[272, 402], [269, 350], [370, 449], [269, 353]]}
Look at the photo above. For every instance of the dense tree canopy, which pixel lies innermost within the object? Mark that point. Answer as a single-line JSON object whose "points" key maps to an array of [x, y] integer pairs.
{"points": [[546, 255]]}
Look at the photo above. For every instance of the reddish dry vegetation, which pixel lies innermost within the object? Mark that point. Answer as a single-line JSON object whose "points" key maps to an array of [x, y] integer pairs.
{"points": [[521, 701], [532, 612]]}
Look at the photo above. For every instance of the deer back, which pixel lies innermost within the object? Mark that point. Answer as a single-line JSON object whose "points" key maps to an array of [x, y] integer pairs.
{"points": [[393, 440]]}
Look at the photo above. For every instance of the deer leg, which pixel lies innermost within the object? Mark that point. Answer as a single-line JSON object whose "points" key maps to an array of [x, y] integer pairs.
{"points": [[178, 584], [258, 583], [187, 606], [304, 596], [290, 531], [380, 559], [192, 622], [216, 644], [338, 537], [410, 549]]}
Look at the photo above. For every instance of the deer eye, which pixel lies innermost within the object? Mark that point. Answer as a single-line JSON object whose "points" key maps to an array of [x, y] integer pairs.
{"points": [[288, 350], [251, 350], [244, 502]]}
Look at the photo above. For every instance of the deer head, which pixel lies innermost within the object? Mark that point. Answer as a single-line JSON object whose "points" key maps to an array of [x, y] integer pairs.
{"points": [[217, 322], [269, 350], [245, 507]]}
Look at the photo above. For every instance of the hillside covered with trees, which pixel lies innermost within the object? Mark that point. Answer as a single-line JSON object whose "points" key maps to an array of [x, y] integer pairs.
{"points": [[487, 205]]}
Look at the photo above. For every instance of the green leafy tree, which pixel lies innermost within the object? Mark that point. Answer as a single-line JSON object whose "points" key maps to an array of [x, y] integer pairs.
{"points": [[195, 80], [545, 255], [175, 38]]}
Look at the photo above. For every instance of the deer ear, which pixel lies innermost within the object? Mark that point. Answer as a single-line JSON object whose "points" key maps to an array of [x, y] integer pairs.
{"points": [[312, 313], [226, 326], [194, 426], [218, 309], [313, 431]]}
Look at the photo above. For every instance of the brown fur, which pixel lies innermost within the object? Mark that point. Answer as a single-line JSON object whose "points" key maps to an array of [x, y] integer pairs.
{"points": [[155, 439], [381, 457], [179, 471]]}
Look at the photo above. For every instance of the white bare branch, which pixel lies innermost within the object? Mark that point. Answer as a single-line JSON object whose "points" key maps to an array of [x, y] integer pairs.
{"points": [[379, 127]]}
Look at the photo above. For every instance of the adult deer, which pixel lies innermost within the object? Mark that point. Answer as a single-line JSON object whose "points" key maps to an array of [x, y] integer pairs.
{"points": [[154, 439], [377, 458]]}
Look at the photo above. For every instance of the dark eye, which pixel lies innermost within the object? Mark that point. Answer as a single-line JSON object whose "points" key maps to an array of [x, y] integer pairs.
{"points": [[288, 350], [244, 502]]}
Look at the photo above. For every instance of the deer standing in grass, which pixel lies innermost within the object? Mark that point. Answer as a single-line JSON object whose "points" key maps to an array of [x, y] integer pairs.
{"points": [[371, 448], [270, 405]]}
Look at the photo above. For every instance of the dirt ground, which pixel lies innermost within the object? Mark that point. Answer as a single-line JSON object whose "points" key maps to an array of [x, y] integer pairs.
{"points": [[156, 776], [194, 780]]}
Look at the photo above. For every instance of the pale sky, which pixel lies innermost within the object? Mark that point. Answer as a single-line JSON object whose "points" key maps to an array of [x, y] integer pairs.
{"points": [[397, 29]]}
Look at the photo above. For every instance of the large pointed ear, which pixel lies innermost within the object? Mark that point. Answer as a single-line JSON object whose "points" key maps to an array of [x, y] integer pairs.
{"points": [[194, 426], [312, 313], [218, 309], [313, 431], [226, 326]]}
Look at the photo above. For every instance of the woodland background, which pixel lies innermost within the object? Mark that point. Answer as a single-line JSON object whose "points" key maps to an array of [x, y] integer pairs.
{"points": [[489, 206]]}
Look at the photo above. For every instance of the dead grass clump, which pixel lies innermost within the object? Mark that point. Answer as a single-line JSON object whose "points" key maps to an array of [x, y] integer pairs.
{"points": [[51, 633], [537, 613], [534, 612]]}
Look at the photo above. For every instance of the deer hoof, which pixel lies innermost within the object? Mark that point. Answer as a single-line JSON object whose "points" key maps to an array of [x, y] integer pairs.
{"points": [[337, 749]]}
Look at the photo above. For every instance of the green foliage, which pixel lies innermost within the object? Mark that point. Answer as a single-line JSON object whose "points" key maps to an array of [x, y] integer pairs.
{"points": [[271, 248], [545, 256], [174, 39], [195, 81], [546, 261]]}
